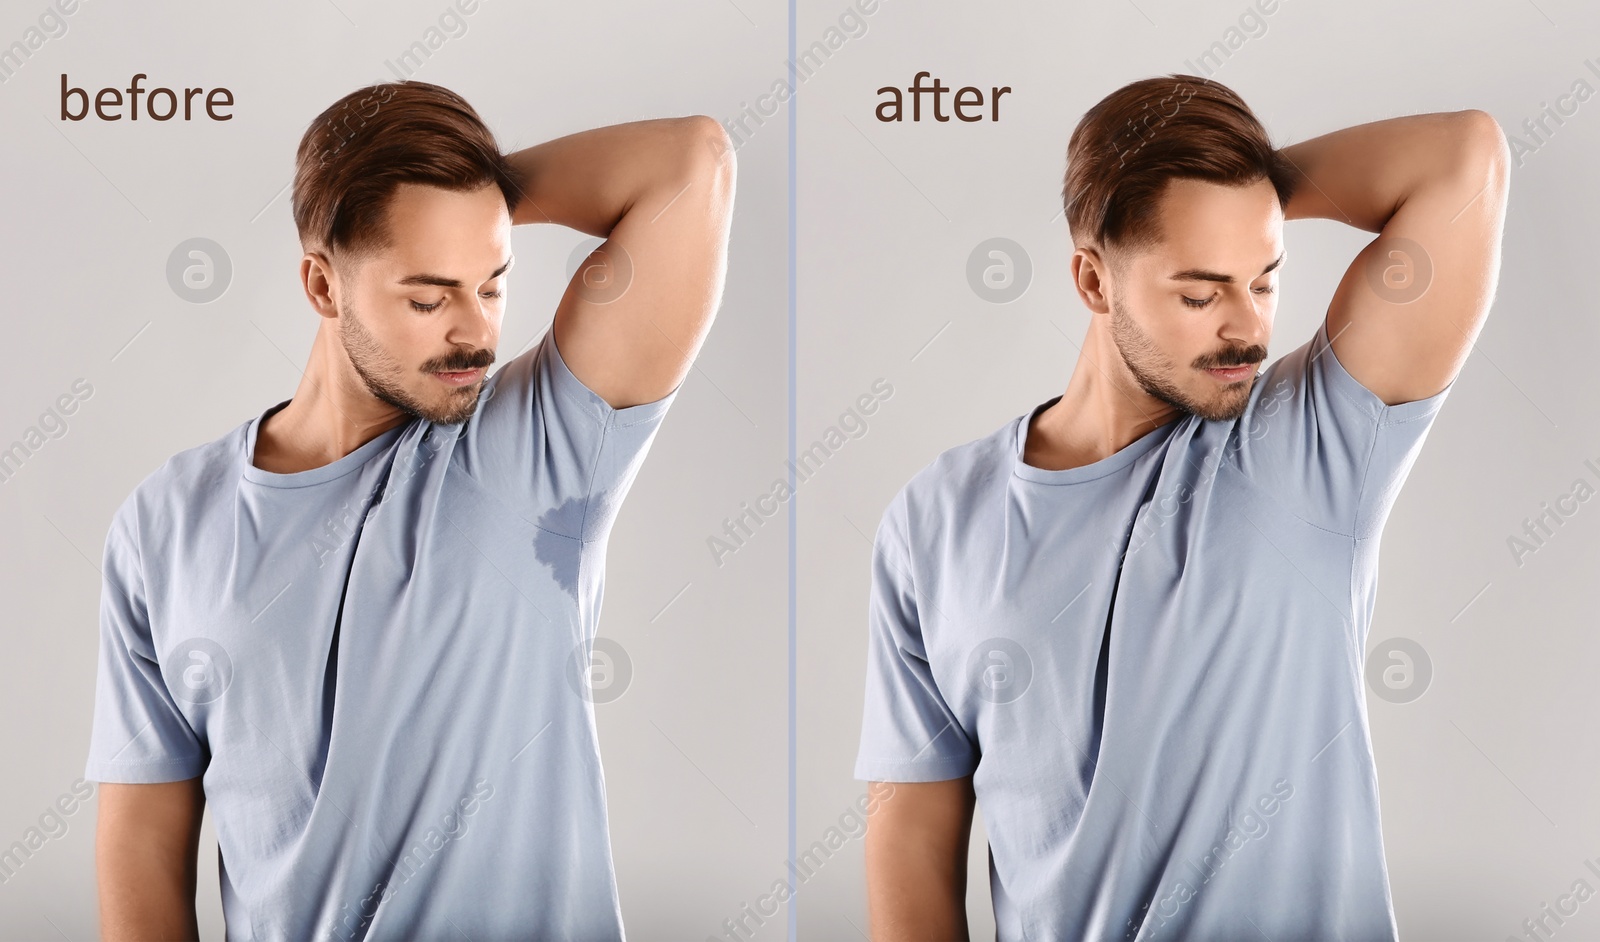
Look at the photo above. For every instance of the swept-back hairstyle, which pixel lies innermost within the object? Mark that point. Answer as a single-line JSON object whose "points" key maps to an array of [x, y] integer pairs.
{"points": [[1126, 148], [354, 155]]}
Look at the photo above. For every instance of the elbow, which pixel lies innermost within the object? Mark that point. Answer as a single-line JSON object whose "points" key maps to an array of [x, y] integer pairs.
{"points": [[1483, 149], [713, 149]]}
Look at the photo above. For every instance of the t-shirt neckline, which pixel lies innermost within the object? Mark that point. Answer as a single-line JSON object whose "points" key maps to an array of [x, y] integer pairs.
{"points": [[1108, 465], [325, 473]]}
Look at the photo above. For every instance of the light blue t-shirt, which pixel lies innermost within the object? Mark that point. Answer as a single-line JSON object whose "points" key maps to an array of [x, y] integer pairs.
{"points": [[381, 666], [1151, 665]]}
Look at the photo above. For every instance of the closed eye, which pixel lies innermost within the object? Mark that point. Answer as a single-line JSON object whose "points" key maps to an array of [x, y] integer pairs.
{"points": [[425, 308], [1203, 302]]}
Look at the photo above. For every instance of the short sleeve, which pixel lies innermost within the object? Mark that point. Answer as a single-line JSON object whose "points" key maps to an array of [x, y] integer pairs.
{"points": [[1333, 451], [549, 445], [139, 734], [908, 731]]}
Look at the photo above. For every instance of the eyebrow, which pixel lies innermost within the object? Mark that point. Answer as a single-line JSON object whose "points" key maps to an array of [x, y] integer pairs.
{"points": [[439, 281], [1202, 274]]}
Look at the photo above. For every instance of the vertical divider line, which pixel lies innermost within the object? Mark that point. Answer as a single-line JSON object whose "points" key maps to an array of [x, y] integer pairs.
{"points": [[794, 104]]}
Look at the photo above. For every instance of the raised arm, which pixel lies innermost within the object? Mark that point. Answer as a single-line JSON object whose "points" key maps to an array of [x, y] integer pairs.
{"points": [[916, 853], [661, 192], [147, 841], [1434, 186]]}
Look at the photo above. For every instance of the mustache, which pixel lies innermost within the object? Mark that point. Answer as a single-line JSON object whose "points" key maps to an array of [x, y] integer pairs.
{"points": [[460, 364], [1249, 356]]}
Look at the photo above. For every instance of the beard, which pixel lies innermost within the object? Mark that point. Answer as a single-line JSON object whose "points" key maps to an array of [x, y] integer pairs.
{"points": [[383, 376], [1156, 374]]}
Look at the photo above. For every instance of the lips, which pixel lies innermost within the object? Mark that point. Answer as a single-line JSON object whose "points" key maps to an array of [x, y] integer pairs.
{"points": [[461, 378], [1234, 373]]}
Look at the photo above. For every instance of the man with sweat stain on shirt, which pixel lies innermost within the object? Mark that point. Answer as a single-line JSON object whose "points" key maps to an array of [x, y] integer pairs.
{"points": [[357, 625], [1130, 623]]}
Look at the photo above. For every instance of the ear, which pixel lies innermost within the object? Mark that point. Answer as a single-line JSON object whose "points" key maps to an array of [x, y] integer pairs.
{"points": [[321, 283], [1089, 274]]}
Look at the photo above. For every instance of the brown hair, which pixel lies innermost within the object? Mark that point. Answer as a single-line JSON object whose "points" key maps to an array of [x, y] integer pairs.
{"points": [[1134, 140], [354, 155]]}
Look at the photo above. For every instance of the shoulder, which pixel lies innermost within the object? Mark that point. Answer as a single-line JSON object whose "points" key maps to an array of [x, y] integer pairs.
{"points": [[184, 484], [956, 480]]}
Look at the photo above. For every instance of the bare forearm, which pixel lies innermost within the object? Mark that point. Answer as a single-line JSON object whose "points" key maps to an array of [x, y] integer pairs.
{"points": [[916, 857], [146, 852], [589, 180], [145, 895], [1362, 175], [911, 903]]}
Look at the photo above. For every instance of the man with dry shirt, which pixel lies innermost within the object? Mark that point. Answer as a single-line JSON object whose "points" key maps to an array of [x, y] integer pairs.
{"points": [[1130, 623], [359, 625]]}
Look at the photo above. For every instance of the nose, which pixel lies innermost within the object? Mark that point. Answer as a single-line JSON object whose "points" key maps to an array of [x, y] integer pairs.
{"points": [[474, 325], [1250, 322]]}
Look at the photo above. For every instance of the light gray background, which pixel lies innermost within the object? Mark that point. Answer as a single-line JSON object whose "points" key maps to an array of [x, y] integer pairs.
{"points": [[696, 772], [1487, 780], [1484, 778]]}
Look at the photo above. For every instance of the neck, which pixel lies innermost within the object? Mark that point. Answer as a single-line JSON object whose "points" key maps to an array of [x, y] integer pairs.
{"points": [[1102, 411], [331, 415]]}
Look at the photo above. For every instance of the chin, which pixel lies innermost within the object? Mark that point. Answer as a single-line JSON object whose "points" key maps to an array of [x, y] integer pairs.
{"points": [[453, 416], [1226, 407]]}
